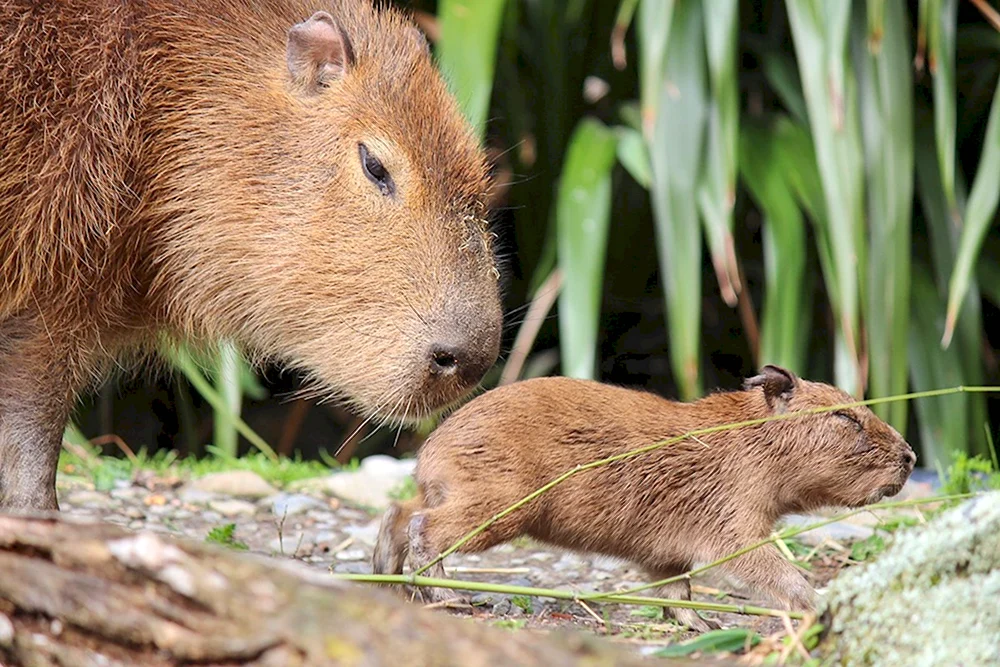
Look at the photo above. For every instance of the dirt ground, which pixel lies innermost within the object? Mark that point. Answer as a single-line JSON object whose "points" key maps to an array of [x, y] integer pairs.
{"points": [[331, 535]]}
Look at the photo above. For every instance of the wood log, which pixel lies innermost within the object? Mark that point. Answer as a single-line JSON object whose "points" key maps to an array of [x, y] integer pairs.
{"points": [[75, 592]]}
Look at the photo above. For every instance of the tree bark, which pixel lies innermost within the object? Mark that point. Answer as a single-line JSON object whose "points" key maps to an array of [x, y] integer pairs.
{"points": [[84, 593]]}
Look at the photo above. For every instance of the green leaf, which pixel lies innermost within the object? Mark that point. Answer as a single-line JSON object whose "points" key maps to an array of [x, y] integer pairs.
{"points": [[467, 52], [944, 423], [820, 33], [717, 191], [582, 217], [886, 95], [979, 214], [730, 640], [634, 156], [676, 144], [764, 167], [941, 17], [653, 32]]}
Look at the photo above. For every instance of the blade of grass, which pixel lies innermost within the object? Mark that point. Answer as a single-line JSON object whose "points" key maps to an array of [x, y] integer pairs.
{"points": [[717, 190], [886, 97], [582, 218], [467, 52], [676, 145], [979, 215], [227, 382], [182, 360]]}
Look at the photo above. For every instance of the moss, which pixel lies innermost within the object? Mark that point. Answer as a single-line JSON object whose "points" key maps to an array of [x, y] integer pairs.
{"points": [[930, 599]]}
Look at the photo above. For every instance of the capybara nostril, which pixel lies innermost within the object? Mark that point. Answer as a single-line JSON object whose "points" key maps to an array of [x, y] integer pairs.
{"points": [[909, 458], [444, 360]]}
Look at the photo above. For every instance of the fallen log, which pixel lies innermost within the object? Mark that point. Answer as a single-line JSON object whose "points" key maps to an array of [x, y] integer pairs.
{"points": [[84, 593]]}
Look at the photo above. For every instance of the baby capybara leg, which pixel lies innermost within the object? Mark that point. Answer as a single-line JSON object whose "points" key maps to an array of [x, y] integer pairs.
{"points": [[681, 590], [434, 530], [393, 544]]}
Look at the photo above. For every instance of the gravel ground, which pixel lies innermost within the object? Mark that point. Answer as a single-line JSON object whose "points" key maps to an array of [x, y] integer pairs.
{"points": [[331, 523]]}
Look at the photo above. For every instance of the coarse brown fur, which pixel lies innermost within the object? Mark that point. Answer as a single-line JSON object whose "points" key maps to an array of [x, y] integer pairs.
{"points": [[667, 510], [182, 168]]}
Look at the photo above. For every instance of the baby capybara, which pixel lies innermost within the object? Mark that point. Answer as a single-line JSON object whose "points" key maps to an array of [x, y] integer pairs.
{"points": [[290, 175], [667, 510]]}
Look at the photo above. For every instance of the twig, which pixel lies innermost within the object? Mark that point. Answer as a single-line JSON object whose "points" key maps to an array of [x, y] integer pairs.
{"points": [[696, 432], [541, 303], [590, 611], [990, 14], [111, 438]]}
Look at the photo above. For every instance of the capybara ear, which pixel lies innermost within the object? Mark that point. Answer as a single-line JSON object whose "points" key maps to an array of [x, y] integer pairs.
{"points": [[318, 51], [777, 383]]}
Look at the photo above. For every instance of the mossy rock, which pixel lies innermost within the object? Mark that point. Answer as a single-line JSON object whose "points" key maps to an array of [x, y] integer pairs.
{"points": [[933, 598]]}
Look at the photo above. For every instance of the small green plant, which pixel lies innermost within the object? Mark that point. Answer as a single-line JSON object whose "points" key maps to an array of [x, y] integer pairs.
{"points": [[868, 548], [225, 535], [405, 490], [510, 623], [648, 611], [523, 602], [968, 474]]}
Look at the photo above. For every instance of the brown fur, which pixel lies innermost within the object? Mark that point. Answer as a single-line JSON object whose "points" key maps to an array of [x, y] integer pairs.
{"points": [[667, 510], [163, 169]]}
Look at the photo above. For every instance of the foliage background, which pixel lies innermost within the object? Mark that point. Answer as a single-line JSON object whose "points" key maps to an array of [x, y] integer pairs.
{"points": [[714, 186]]}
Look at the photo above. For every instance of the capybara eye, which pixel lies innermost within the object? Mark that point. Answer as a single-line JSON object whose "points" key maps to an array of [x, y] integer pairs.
{"points": [[375, 171], [848, 417]]}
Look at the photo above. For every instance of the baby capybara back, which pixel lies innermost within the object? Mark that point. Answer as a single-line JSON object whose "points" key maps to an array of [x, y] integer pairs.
{"points": [[666, 510], [290, 175]]}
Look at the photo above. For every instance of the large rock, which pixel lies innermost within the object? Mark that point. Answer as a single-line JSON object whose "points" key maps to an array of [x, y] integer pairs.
{"points": [[933, 598], [369, 486]]}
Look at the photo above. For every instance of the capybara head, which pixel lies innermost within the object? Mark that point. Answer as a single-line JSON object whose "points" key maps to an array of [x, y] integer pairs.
{"points": [[854, 458], [367, 196]]}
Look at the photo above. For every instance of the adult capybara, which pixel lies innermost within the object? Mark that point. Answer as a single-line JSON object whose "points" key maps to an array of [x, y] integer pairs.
{"points": [[687, 503], [291, 175]]}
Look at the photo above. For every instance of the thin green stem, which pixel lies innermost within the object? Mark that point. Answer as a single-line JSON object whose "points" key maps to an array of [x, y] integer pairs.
{"points": [[785, 534], [555, 593], [694, 435]]}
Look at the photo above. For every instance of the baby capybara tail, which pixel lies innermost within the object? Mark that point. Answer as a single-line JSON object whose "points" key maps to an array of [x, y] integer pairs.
{"points": [[393, 544]]}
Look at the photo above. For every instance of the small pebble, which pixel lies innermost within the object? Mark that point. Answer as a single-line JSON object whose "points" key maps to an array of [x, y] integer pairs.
{"points": [[6, 631], [232, 507], [350, 554], [286, 504]]}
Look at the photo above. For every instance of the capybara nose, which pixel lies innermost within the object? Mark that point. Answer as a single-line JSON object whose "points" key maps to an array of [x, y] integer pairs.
{"points": [[444, 360], [466, 362], [909, 458]]}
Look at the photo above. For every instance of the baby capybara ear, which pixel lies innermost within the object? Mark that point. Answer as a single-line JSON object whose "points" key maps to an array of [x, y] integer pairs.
{"points": [[777, 383]]}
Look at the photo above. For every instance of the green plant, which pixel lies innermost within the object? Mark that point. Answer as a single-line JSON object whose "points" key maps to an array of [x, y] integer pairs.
{"points": [[731, 640], [523, 602], [225, 535]]}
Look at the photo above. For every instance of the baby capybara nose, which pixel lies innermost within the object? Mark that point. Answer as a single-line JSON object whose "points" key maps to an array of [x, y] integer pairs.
{"points": [[469, 362], [909, 458]]}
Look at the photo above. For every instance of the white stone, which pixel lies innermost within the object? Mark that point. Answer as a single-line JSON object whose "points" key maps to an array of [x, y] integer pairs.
{"points": [[239, 483], [232, 507]]}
